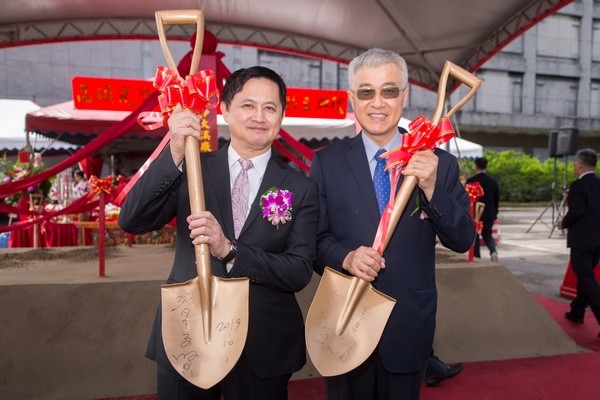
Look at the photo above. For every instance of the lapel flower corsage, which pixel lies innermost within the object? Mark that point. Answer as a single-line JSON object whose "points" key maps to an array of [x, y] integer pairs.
{"points": [[418, 209], [276, 206]]}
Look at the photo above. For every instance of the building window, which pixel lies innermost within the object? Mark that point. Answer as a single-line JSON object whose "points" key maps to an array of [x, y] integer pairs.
{"points": [[558, 36], [500, 93], [596, 40], [595, 99], [296, 71], [237, 58], [515, 47], [517, 92], [556, 96], [342, 76]]}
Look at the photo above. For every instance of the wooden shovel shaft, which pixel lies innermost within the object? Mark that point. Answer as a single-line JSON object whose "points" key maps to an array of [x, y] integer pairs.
{"points": [[202, 251]]}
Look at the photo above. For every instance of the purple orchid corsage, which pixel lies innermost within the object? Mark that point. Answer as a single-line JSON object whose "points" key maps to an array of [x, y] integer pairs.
{"points": [[276, 206]]}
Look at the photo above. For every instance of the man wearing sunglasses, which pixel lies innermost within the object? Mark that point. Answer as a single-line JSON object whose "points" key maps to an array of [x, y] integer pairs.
{"points": [[353, 191]]}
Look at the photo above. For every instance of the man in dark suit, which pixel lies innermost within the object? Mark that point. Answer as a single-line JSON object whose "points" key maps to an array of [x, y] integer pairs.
{"points": [[491, 199], [276, 257], [583, 236], [348, 221]]}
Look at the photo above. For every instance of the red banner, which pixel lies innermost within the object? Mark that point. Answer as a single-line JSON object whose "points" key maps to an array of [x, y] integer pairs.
{"points": [[316, 103], [90, 93]]}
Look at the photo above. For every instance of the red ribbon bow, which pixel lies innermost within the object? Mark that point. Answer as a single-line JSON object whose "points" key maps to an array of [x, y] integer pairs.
{"points": [[422, 135], [99, 185], [474, 190], [196, 92]]}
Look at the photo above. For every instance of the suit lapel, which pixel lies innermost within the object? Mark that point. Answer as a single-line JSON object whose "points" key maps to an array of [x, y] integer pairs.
{"points": [[359, 165], [274, 176], [218, 173]]}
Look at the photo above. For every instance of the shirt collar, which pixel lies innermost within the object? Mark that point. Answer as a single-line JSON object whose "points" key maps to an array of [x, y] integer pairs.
{"points": [[259, 162], [371, 148]]}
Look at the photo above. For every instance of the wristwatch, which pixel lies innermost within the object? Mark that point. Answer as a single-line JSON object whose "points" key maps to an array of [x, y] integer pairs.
{"points": [[232, 252]]}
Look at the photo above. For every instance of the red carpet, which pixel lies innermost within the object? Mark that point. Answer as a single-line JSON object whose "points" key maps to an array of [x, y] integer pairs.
{"points": [[564, 377]]}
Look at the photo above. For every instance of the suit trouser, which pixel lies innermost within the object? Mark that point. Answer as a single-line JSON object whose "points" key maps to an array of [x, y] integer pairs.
{"points": [[488, 238], [370, 381], [583, 262], [240, 384]]}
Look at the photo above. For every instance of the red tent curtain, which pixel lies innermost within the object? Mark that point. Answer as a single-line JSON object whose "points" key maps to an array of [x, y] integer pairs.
{"points": [[91, 166]]}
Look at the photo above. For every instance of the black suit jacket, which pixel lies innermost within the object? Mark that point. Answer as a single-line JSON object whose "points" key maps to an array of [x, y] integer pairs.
{"points": [[583, 217], [491, 195], [278, 261], [348, 218]]}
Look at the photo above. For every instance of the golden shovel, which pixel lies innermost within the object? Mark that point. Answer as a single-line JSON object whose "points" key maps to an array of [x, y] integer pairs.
{"points": [[479, 208], [347, 315], [204, 320]]}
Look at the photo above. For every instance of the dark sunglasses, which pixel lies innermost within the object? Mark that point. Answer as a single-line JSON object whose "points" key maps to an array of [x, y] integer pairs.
{"points": [[386, 93]]}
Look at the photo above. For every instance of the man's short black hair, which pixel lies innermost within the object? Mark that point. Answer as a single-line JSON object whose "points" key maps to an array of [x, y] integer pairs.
{"points": [[481, 162], [236, 81]]}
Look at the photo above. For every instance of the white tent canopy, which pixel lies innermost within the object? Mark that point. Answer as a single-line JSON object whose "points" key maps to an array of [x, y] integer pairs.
{"points": [[13, 136]]}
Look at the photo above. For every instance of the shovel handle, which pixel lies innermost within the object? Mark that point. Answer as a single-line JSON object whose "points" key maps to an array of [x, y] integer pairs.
{"points": [[410, 182], [181, 17], [461, 75], [192, 153]]}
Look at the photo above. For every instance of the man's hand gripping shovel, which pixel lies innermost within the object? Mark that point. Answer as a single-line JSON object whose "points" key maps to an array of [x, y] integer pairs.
{"points": [[204, 320], [347, 315]]}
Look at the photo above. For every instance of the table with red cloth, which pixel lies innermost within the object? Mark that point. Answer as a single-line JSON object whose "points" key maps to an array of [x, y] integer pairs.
{"points": [[50, 234], [85, 233]]}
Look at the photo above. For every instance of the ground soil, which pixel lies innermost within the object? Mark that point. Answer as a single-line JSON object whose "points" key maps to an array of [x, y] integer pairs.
{"points": [[22, 258]]}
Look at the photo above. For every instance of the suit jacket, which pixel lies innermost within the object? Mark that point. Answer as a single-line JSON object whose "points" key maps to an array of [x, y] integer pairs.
{"points": [[583, 217], [278, 260], [348, 218], [491, 195]]}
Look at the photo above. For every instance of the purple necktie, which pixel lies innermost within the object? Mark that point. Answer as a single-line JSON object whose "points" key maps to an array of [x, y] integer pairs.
{"points": [[239, 196]]}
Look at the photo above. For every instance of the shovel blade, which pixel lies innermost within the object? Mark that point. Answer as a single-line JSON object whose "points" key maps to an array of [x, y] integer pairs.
{"points": [[205, 361], [334, 354]]}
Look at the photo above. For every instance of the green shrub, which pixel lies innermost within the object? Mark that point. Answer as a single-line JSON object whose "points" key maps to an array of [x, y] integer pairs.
{"points": [[523, 178]]}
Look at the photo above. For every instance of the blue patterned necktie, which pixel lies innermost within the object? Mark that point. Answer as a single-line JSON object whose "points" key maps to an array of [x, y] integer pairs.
{"points": [[381, 181]]}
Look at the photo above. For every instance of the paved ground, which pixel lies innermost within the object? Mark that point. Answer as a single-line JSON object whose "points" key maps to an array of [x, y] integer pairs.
{"points": [[535, 254]]}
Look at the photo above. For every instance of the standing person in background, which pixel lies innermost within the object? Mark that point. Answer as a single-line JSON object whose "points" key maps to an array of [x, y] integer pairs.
{"points": [[352, 187], [583, 236], [276, 254], [80, 185], [491, 199]]}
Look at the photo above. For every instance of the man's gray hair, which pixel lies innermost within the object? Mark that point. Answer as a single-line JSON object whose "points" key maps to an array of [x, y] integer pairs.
{"points": [[587, 157], [376, 57]]}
